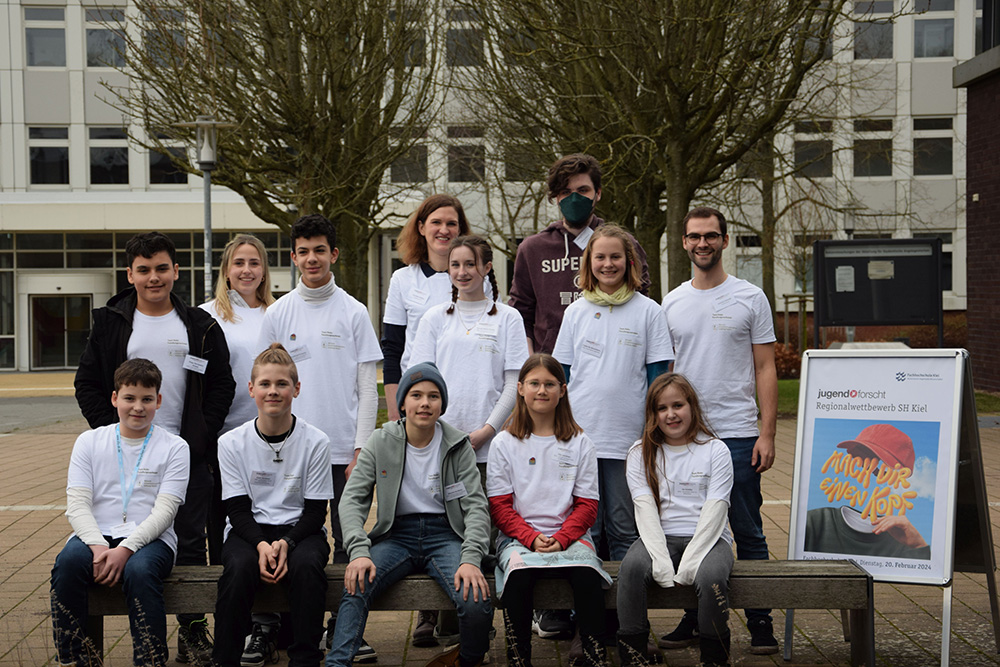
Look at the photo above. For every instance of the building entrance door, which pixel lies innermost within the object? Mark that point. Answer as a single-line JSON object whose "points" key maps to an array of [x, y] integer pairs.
{"points": [[60, 325]]}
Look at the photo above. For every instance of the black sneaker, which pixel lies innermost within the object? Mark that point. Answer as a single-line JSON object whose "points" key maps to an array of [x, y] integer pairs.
{"points": [[261, 647], [365, 653], [762, 641], [194, 643], [685, 634], [552, 623]]}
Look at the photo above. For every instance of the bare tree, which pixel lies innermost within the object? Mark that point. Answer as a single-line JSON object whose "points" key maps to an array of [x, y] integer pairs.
{"points": [[324, 96], [668, 95]]}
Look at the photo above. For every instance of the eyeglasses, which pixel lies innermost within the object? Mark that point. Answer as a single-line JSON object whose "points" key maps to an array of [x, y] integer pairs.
{"points": [[711, 237]]}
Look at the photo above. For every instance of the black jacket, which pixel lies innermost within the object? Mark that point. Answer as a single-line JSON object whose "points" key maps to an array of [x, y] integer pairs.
{"points": [[207, 398]]}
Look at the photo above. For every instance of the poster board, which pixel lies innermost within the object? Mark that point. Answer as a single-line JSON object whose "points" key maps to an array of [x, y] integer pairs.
{"points": [[878, 436]]}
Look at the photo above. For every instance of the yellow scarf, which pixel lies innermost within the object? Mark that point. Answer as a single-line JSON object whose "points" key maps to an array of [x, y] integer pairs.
{"points": [[601, 298]]}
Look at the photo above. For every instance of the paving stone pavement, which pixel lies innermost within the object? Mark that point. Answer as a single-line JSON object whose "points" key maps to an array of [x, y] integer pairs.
{"points": [[33, 529]]}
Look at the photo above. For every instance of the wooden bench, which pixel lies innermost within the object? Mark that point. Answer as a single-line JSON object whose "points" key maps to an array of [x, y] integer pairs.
{"points": [[772, 584]]}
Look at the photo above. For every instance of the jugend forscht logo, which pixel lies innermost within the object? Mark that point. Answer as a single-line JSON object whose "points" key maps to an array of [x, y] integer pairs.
{"points": [[850, 393]]}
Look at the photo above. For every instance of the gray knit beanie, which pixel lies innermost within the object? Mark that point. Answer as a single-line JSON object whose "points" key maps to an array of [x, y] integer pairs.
{"points": [[419, 373]]}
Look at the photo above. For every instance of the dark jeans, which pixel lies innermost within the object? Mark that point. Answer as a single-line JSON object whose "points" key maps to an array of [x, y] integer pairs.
{"points": [[615, 513], [417, 543], [142, 583], [588, 601], [191, 522], [744, 509], [339, 482], [305, 583]]}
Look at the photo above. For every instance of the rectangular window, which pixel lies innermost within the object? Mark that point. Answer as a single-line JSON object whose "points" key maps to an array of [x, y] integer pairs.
{"points": [[411, 167], [48, 155], [873, 7], [466, 163], [873, 125], [105, 38], [934, 38], [932, 156], [933, 123], [934, 5], [814, 159], [947, 260], [872, 157], [45, 36], [464, 47], [813, 126], [108, 156], [873, 41], [521, 166], [163, 171]]}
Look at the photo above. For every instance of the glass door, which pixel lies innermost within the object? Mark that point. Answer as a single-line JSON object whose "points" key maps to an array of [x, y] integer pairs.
{"points": [[60, 325]]}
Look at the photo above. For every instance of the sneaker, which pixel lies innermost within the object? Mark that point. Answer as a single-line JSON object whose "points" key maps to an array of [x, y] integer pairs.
{"points": [[552, 624], [423, 633], [454, 648], [685, 634], [365, 653], [261, 648], [762, 641], [194, 643]]}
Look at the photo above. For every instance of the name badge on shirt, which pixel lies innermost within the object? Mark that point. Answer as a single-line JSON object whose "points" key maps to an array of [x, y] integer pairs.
{"points": [[122, 530], [299, 354], [593, 348], [196, 364], [418, 296], [331, 341], [261, 478], [455, 491], [723, 301], [688, 489], [487, 330]]}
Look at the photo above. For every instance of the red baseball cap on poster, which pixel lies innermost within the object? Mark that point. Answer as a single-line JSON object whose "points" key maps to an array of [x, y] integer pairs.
{"points": [[887, 442]]}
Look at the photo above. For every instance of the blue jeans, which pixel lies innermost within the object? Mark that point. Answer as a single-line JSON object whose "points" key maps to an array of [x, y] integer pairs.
{"points": [[142, 582], [615, 513], [416, 543], [744, 508]]}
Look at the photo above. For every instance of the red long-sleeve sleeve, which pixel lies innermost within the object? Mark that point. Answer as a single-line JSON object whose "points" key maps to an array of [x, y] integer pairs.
{"points": [[580, 518], [510, 522]]}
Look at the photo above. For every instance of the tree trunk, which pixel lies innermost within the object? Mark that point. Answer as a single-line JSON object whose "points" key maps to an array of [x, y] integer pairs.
{"points": [[768, 223], [678, 201], [351, 269], [649, 225]]}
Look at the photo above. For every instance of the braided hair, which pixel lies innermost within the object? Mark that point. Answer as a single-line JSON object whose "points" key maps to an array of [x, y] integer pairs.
{"points": [[483, 253]]}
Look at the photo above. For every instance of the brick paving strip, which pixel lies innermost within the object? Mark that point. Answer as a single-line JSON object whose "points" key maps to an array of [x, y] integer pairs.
{"points": [[907, 633]]}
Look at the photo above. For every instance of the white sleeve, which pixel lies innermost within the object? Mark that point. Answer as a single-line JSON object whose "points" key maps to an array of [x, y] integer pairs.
{"points": [[505, 404], [160, 517], [647, 520], [367, 387], [711, 523], [79, 511]]}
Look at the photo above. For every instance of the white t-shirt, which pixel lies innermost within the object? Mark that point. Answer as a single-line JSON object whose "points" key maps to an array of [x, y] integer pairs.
{"points": [[327, 341], [411, 293], [688, 476], [164, 468], [277, 491], [420, 488], [472, 361], [241, 337], [164, 341], [714, 332], [607, 349], [544, 474]]}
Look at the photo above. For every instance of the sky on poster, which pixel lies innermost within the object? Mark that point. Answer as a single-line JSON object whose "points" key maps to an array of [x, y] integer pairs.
{"points": [[828, 433]]}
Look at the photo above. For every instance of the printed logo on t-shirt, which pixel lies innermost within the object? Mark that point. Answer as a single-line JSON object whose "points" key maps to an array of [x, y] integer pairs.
{"points": [[629, 338], [177, 348], [383, 473], [418, 296], [531, 461], [331, 341]]}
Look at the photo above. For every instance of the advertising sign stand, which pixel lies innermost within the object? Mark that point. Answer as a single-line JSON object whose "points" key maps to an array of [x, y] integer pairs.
{"points": [[889, 472]]}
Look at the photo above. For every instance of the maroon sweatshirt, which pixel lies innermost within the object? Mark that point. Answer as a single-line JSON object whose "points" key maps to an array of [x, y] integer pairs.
{"points": [[546, 281]]}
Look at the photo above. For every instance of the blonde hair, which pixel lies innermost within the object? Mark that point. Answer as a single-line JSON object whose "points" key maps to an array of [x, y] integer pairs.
{"points": [[652, 436], [223, 305], [633, 277], [411, 244], [275, 354]]}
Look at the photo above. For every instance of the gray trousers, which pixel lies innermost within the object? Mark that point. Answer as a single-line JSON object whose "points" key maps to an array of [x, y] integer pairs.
{"points": [[711, 584]]}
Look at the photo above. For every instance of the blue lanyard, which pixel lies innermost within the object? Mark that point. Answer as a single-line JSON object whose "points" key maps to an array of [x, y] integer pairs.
{"points": [[127, 492]]}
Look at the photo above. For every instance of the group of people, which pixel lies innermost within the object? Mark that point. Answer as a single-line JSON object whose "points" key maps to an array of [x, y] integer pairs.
{"points": [[657, 464]]}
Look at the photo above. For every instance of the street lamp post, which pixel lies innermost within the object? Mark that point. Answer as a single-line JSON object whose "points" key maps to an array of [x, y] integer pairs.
{"points": [[206, 137]]}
